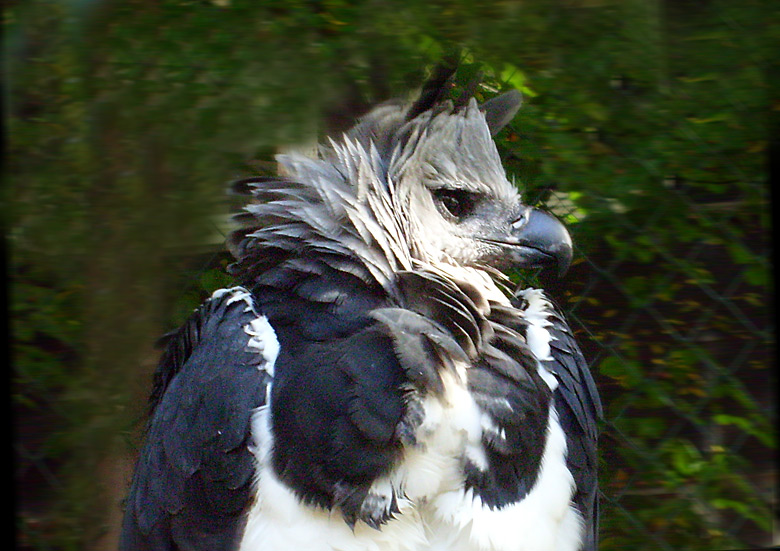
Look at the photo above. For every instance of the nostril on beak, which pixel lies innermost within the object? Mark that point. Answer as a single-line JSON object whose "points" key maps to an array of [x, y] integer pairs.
{"points": [[521, 220]]}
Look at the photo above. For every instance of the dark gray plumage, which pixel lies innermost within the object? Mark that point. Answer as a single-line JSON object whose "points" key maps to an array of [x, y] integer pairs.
{"points": [[370, 386]]}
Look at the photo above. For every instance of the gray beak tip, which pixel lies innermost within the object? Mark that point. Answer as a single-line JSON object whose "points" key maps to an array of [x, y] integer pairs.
{"points": [[564, 258], [545, 234]]}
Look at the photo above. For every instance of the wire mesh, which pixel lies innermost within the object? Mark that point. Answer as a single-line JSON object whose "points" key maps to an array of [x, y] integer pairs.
{"points": [[669, 293], [688, 465]]}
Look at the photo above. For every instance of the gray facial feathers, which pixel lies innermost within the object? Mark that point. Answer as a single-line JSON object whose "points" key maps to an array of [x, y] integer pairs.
{"points": [[368, 196]]}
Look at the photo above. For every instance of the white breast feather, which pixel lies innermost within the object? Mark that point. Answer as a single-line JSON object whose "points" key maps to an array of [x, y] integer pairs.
{"points": [[537, 336], [436, 513]]}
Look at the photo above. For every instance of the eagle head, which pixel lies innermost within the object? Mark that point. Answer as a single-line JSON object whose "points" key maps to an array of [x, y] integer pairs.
{"points": [[409, 185], [461, 207]]}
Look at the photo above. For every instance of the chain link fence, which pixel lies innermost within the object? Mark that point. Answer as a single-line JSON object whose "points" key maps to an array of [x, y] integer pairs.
{"points": [[684, 363], [680, 339], [669, 293], [671, 305]]}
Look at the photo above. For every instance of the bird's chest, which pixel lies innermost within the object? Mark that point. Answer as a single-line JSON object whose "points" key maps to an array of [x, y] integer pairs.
{"points": [[436, 510], [482, 455]]}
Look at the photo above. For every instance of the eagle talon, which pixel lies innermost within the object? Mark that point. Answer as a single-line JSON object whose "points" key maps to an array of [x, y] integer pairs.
{"points": [[378, 508]]}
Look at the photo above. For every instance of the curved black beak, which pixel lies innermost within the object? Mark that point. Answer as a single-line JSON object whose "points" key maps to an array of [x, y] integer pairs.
{"points": [[542, 240]]}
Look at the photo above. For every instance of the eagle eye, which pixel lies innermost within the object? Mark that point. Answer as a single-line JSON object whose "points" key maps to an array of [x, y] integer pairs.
{"points": [[456, 202]]}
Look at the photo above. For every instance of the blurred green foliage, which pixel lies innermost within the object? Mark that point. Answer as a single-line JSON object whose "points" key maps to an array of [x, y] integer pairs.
{"points": [[645, 127]]}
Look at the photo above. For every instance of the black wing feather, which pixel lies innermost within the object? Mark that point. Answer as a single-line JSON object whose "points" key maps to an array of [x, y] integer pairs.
{"points": [[579, 410], [193, 476]]}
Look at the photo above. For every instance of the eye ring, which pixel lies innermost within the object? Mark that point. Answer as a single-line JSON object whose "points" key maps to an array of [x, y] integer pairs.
{"points": [[458, 203]]}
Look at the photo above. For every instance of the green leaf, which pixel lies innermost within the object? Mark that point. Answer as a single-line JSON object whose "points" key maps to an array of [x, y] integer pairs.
{"points": [[757, 275], [214, 279], [516, 79], [765, 436]]}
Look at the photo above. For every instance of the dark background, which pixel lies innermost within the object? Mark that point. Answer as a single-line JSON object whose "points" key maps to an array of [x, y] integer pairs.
{"points": [[646, 127]]}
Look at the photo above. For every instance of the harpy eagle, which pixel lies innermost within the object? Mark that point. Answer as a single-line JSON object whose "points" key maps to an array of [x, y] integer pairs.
{"points": [[370, 384]]}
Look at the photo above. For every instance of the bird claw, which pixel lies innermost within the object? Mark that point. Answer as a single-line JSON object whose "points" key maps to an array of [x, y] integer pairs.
{"points": [[378, 506]]}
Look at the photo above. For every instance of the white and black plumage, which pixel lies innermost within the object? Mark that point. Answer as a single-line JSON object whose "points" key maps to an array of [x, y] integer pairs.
{"points": [[369, 386]]}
